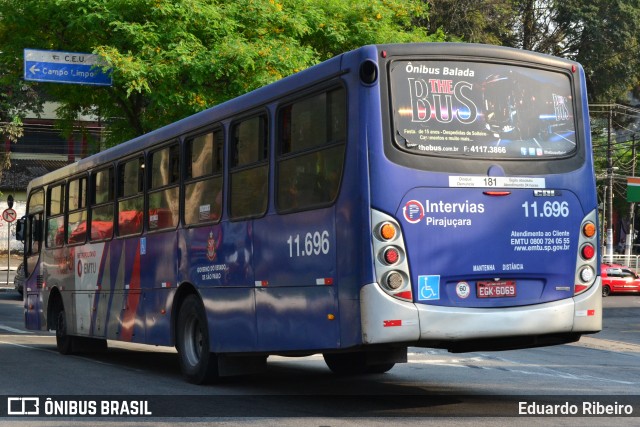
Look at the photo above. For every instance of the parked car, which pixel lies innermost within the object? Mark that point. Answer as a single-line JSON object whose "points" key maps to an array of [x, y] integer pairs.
{"points": [[18, 279], [618, 279]]}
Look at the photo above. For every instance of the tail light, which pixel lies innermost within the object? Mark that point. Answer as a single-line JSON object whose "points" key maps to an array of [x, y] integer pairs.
{"points": [[391, 255], [393, 280], [588, 251], [387, 231], [586, 266], [392, 269]]}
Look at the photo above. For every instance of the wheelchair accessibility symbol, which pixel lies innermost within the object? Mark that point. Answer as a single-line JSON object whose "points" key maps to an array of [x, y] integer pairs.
{"points": [[428, 288]]}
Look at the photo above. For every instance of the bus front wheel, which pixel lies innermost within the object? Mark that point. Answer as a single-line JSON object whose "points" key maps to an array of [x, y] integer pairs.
{"points": [[69, 344], [64, 341], [197, 363]]}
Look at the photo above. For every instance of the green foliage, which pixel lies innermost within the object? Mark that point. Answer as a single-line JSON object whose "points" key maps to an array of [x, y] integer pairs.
{"points": [[171, 59], [604, 36], [473, 21]]}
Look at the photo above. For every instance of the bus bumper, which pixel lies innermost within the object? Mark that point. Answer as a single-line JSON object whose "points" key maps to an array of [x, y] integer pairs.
{"points": [[388, 320]]}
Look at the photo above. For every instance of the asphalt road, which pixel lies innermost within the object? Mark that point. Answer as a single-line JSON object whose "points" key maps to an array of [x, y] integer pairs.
{"points": [[434, 388]]}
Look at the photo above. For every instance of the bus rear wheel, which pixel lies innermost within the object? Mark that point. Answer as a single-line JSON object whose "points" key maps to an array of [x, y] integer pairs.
{"points": [[197, 363], [354, 364]]}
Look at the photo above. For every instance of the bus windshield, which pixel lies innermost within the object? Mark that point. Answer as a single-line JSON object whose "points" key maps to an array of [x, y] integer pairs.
{"points": [[481, 110]]}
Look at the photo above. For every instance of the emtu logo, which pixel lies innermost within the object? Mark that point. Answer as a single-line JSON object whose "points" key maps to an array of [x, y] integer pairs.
{"points": [[413, 211]]}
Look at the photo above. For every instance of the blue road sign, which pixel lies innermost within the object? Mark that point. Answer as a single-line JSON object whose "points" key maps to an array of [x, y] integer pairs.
{"points": [[65, 67]]}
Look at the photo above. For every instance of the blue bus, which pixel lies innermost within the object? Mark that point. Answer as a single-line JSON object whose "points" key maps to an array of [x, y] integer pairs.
{"points": [[429, 195]]}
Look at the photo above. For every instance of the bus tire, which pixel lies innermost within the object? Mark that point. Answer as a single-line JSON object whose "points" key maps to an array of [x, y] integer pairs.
{"points": [[90, 345], [606, 291], [380, 368], [354, 364], [197, 363], [64, 341]]}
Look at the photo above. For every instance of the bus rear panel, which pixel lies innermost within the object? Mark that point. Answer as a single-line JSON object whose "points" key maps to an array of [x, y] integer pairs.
{"points": [[484, 168]]}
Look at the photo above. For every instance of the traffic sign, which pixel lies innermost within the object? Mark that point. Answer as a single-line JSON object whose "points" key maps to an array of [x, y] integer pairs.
{"points": [[65, 67], [9, 215]]}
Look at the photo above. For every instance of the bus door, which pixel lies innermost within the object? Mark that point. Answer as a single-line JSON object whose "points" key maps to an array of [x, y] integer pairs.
{"points": [[33, 241], [33, 234], [33, 227]]}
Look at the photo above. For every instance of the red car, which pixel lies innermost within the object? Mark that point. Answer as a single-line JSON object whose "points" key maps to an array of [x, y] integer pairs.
{"points": [[618, 279]]}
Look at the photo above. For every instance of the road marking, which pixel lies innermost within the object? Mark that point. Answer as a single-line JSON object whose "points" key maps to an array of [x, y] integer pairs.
{"points": [[30, 347], [14, 330]]}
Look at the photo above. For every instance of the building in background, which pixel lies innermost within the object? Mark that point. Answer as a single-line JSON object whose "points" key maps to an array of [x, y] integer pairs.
{"points": [[42, 149]]}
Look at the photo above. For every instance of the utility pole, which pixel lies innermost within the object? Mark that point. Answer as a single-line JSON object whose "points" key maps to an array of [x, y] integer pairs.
{"points": [[628, 250], [609, 249]]}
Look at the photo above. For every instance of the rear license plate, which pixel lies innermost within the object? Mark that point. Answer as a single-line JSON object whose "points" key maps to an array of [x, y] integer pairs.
{"points": [[499, 289]]}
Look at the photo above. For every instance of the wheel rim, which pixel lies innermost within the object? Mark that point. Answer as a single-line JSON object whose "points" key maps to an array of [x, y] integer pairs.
{"points": [[193, 338]]}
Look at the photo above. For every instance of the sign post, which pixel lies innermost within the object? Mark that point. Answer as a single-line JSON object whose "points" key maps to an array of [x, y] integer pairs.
{"points": [[9, 215], [65, 67]]}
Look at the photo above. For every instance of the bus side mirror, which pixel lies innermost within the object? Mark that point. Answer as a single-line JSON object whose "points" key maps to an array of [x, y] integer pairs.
{"points": [[20, 224]]}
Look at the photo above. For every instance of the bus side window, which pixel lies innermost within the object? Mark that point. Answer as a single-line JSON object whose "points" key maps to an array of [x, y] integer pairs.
{"points": [[204, 183], [102, 205], [55, 216], [249, 168], [77, 211], [164, 199], [312, 135], [130, 196]]}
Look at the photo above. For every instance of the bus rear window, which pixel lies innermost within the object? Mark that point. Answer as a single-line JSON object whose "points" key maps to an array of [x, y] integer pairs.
{"points": [[481, 110]]}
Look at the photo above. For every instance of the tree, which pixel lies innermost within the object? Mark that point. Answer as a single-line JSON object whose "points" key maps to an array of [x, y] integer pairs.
{"points": [[171, 59], [15, 99], [472, 21], [604, 36]]}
